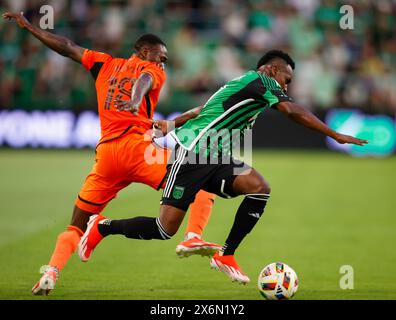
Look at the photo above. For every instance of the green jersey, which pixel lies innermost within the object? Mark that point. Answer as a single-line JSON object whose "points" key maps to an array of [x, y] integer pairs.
{"points": [[233, 108]]}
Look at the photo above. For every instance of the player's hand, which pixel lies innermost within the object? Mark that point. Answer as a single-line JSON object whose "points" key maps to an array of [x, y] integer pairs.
{"points": [[127, 106], [343, 138], [165, 126], [19, 17]]}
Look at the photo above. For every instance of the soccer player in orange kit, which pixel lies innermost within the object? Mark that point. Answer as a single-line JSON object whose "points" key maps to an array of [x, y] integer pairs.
{"points": [[120, 153]]}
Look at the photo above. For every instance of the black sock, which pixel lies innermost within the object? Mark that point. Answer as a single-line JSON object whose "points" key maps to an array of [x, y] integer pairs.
{"points": [[142, 228], [249, 212]]}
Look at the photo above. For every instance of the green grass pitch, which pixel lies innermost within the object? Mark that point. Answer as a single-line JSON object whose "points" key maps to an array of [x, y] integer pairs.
{"points": [[326, 210]]}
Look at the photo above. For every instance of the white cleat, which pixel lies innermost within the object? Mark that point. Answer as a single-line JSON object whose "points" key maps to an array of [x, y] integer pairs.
{"points": [[230, 267], [90, 238], [47, 282], [196, 246]]}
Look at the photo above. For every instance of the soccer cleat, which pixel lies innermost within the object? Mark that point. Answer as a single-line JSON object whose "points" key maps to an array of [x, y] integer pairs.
{"points": [[196, 246], [230, 267], [47, 281], [91, 238]]}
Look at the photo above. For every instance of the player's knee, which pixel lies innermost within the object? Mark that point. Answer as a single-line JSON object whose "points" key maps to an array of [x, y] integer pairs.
{"points": [[170, 228], [171, 219], [80, 218], [260, 186], [164, 234], [265, 188]]}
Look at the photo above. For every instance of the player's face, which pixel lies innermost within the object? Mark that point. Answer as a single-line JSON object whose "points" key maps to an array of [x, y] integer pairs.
{"points": [[157, 53], [284, 76]]}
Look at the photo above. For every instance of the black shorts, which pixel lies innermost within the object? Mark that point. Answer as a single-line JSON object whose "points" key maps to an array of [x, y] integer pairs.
{"points": [[188, 173]]}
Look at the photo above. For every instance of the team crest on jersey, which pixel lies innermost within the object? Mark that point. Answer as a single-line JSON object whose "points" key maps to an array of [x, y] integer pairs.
{"points": [[178, 192]]}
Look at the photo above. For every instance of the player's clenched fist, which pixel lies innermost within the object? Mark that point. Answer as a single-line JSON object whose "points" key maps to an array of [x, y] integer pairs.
{"points": [[19, 17], [127, 106]]}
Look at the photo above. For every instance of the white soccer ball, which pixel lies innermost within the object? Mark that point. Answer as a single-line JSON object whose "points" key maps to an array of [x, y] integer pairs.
{"points": [[277, 281]]}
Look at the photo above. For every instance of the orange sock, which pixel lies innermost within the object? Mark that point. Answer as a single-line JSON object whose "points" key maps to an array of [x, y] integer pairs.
{"points": [[200, 212], [66, 245]]}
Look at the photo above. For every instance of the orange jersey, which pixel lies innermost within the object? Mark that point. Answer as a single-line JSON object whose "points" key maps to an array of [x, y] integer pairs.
{"points": [[114, 81]]}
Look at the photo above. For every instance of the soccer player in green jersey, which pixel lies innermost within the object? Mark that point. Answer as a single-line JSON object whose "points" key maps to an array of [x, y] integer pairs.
{"points": [[200, 160]]}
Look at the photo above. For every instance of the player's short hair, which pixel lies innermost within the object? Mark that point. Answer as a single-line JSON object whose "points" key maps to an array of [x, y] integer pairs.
{"points": [[273, 54], [148, 39]]}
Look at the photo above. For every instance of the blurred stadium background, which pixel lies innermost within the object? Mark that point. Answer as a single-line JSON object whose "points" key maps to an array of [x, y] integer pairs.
{"points": [[210, 42], [334, 209]]}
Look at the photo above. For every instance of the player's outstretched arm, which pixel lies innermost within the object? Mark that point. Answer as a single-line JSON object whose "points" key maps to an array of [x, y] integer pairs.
{"points": [[166, 126], [309, 120], [59, 44]]}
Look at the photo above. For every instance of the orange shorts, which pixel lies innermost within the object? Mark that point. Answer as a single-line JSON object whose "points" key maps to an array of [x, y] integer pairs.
{"points": [[132, 158]]}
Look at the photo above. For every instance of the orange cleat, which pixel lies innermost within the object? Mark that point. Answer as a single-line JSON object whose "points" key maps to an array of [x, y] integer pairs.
{"points": [[230, 267], [196, 246], [47, 282], [91, 238]]}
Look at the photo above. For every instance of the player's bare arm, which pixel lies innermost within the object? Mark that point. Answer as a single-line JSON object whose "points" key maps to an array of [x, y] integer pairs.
{"points": [[191, 114], [141, 87], [302, 116], [59, 44], [166, 126]]}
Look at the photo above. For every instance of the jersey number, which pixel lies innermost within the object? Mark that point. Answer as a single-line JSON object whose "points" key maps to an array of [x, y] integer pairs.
{"points": [[122, 91]]}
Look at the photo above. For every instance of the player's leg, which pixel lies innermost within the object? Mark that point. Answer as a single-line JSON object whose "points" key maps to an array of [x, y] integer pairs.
{"points": [[92, 199], [65, 247], [150, 161], [200, 211], [179, 193], [138, 161], [256, 190], [67, 241], [140, 228], [146, 228]]}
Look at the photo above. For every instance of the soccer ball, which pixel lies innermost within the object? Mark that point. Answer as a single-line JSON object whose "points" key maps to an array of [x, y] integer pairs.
{"points": [[277, 281]]}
